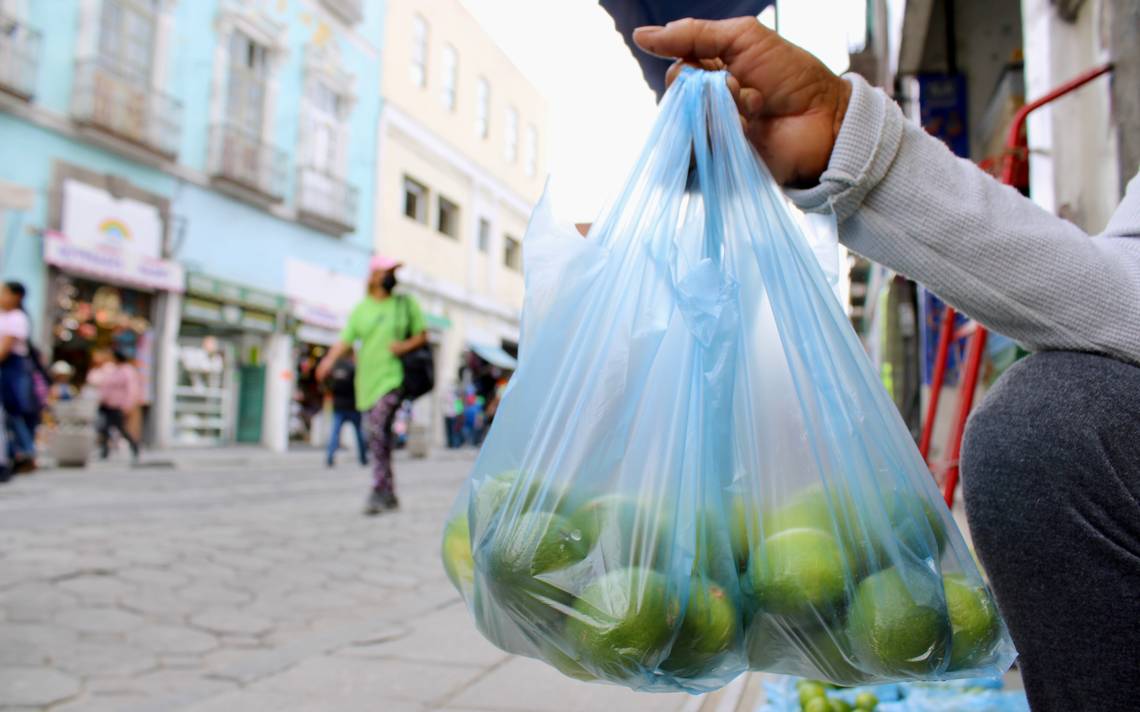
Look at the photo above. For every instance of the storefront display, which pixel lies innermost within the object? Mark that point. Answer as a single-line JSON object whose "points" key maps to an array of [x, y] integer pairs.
{"points": [[220, 396]]}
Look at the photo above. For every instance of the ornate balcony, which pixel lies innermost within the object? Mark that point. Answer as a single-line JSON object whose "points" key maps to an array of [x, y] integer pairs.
{"points": [[243, 161], [351, 11], [19, 57], [326, 202], [111, 102]]}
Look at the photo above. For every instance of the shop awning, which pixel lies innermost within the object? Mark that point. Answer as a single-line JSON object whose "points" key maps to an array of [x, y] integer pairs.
{"points": [[112, 265], [436, 322], [495, 356]]}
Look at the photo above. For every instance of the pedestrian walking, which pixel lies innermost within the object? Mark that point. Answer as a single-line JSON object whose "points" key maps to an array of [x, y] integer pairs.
{"points": [[341, 383], [1051, 460], [117, 383], [17, 385], [386, 326]]}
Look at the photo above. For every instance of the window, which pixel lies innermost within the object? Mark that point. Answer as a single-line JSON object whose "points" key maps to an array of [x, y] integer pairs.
{"points": [[450, 68], [249, 71], [531, 150], [415, 200], [512, 253], [512, 134], [326, 128], [448, 218], [126, 37], [419, 50], [484, 235], [482, 107]]}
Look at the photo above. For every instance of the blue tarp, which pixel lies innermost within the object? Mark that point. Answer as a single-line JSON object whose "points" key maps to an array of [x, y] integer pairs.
{"points": [[981, 694], [495, 356]]}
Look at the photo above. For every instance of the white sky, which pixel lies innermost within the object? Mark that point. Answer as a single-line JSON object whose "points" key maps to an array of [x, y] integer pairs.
{"points": [[599, 107]]}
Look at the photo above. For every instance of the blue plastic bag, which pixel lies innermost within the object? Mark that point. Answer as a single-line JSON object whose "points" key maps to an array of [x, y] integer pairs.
{"points": [[694, 470]]}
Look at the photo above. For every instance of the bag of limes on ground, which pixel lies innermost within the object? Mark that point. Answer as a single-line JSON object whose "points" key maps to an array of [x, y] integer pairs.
{"points": [[694, 470]]}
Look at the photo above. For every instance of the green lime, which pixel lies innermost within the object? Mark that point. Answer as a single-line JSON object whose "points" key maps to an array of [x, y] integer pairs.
{"points": [[623, 622], [624, 532], [708, 631], [743, 527], [456, 553], [973, 621], [815, 704], [565, 664], [812, 690], [866, 701], [831, 509], [534, 544], [897, 622], [799, 573], [917, 524], [838, 705]]}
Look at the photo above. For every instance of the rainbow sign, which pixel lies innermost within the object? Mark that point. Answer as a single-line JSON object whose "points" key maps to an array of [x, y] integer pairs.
{"points": [[115, 229]]}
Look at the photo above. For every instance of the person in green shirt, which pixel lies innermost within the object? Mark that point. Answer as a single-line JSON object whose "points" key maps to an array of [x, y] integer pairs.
{"points": [[386, 326]]}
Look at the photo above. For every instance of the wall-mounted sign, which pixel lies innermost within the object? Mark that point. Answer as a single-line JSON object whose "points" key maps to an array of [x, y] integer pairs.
{"points": [[94, 218], [110, 264]]}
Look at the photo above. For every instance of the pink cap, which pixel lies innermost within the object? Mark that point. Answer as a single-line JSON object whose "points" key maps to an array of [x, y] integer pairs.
{"points": [[383, 263]]}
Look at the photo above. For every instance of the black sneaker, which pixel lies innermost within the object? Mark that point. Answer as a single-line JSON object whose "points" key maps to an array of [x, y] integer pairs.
{"points": [[376, 504], [390, 500]]}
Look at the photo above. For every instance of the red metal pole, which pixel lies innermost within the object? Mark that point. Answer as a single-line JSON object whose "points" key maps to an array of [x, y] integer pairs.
{"points": [[965, 404], [1013, 139], [945, 334], [969, 385]]}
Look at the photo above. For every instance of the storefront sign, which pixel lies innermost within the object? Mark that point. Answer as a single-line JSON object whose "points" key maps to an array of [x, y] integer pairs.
{"points": [[94, 218], [197, 283], [319, 316], [112, 264]]}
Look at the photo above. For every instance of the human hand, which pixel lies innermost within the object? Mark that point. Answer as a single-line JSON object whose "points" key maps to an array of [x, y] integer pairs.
{"points": [[323, 369], [791, 105], [398, 347]]}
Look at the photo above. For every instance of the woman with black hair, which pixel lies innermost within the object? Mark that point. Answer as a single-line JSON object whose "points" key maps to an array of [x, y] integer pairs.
{"points": [[17, 389]]}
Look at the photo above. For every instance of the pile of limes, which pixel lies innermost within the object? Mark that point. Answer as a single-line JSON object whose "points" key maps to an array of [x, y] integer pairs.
{"points": [[603, 587], [814, 698]]}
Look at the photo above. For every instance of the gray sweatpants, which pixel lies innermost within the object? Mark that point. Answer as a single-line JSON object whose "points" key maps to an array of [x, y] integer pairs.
{"points": [[1051, 473]]}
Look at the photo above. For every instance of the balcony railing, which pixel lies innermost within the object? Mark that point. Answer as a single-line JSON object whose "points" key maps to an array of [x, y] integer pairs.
{"points": [[19, 57], [118, 104], [351, 11], [240, 158], [326, 202]]}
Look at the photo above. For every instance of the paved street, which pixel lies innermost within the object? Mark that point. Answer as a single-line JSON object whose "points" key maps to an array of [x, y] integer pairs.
{"points": [[238, 580]]}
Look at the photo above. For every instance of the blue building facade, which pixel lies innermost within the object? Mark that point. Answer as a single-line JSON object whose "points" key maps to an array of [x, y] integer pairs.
{"points": [[190, 181]]}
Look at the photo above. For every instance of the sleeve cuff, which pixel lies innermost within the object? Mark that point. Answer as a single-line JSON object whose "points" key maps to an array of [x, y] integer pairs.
{"points": [[863, 152]]}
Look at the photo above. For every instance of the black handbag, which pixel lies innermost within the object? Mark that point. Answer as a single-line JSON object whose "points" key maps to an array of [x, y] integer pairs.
{"points": [[419, 366]]}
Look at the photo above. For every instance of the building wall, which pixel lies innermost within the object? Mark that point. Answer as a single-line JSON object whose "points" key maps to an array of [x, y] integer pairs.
{"points": [[440, 148], [208, 231], [1073, 168]]}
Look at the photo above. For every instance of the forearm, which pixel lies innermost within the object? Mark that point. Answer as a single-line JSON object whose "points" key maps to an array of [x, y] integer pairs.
{"points": [[903, 200], [411, 343]]}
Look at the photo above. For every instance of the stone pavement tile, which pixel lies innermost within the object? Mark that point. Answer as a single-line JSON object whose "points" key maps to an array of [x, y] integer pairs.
{"points": [[164, 690], [103, 659], [31, 643], [153, 576], [532, 686], [36, 601], [340, 681], [446, 636], [35, 686], [160, 603], [175, 640], [99, 620], [97, 588], [229, 621], [250, 701], [99, 703], [214, 594]]}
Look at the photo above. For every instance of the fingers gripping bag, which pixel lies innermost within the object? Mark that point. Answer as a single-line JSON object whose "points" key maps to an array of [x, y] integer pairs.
{"points": [[694, 470]]}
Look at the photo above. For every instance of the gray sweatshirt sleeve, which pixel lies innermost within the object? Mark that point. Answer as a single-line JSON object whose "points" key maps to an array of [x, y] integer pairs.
{"points": [[902, 199]]}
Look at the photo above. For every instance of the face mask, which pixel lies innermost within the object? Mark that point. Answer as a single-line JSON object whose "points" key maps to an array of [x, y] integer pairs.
{"points": [[388, 282]]}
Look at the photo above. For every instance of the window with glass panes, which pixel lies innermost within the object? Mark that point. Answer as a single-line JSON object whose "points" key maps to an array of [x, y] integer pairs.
{"points": [[450, 68], [326, 128], [511, 134], [531, 149], [419, 50], [415, 200], [249, 73], [448, 218], [484, 235], [482, 107], [512, 253], [126, 37]]}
